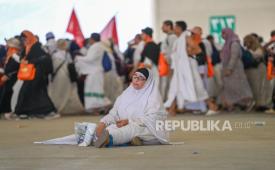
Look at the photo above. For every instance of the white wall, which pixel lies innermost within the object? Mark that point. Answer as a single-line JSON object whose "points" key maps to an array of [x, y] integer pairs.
{"points": [[251, 15], [52, 15]]}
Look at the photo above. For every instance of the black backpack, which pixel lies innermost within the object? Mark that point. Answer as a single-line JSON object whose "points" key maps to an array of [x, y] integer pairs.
{"points": [[248, 60]]}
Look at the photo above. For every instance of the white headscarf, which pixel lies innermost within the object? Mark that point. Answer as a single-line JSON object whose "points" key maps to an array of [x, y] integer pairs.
{"points": [[134, 103]]}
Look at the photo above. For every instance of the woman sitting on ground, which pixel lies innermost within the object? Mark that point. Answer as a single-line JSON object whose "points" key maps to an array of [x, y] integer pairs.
{"points": [[134, 115]]}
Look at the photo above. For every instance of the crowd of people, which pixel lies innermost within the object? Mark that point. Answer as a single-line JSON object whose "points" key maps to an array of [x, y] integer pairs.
{"points": [[203, 77]]}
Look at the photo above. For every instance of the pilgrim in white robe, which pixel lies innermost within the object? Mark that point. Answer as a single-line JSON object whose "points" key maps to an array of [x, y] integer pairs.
{"points": [[91, 65], [202, 69], [186, 85], [62, 91]]}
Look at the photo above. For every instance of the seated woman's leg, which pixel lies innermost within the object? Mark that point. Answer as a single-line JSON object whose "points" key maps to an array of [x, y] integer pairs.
{"points": [[126, 133]]}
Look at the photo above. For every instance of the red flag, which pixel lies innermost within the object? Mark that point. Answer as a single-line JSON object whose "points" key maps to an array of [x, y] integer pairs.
{"points": [[110, 31], [74, 28]]}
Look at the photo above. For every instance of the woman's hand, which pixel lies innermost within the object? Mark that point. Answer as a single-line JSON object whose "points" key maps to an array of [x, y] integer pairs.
{"points": [[4, 78], [23, 61], [122, 123], [227, 72], [100, 127]]}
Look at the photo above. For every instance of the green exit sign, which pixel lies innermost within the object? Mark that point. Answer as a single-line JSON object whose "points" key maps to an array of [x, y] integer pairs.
{"points": [[217, 23]]}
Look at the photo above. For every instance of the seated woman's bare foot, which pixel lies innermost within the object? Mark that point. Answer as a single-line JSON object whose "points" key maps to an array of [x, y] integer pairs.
{"points": [[100, 128], [102, 140], [172, 112]]}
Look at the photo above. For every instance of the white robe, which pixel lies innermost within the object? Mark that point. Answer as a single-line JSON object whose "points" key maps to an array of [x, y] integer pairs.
{"points": [[142, 108], [186, 85], [91, 65], [201, 105], [62, 91]]}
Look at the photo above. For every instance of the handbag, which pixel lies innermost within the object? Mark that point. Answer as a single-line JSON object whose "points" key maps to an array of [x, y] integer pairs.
{"points": [[163, 66], [1, 83], [210, 67], [270, 73], [248, 59], [26, 72]]}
